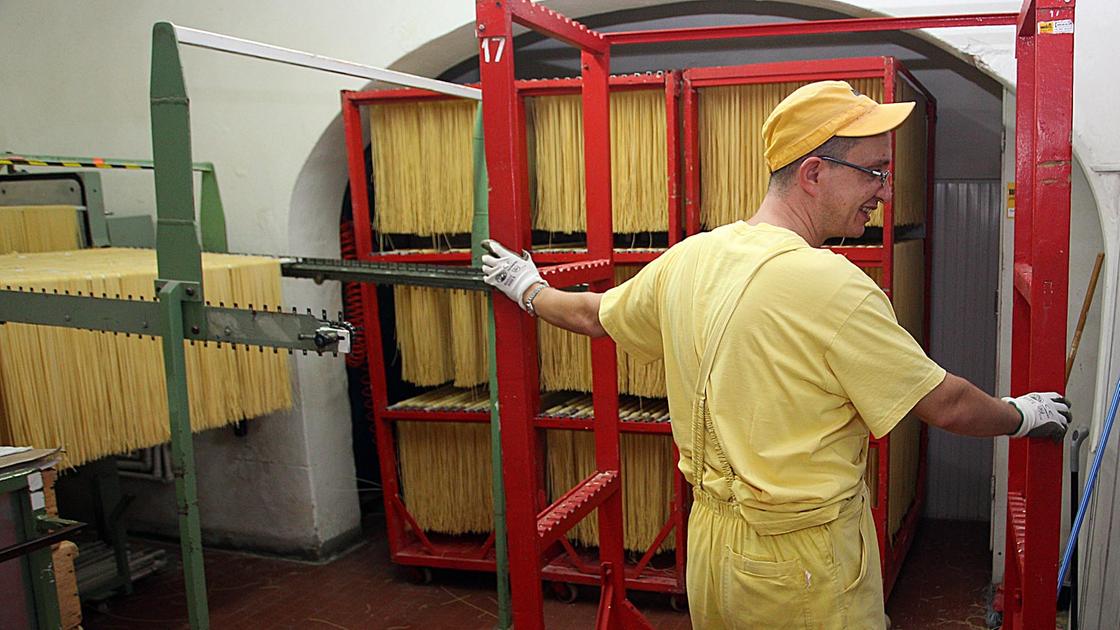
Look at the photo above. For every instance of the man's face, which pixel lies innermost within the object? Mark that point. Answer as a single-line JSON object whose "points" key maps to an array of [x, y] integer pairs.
{"points": [[851, 195]]}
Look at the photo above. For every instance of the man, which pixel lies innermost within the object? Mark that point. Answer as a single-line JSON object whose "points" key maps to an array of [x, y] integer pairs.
{"points": [[780, 358]]}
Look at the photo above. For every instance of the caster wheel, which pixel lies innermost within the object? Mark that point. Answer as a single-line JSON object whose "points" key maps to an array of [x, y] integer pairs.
{"points": [[679, 603], [564, 592], [420, 575]]}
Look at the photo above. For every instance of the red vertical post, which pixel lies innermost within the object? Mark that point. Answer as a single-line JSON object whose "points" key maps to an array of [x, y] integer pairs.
{"points": [[1043, 166], [691, 97], [882, 506], [672, 145], [517, 371], [1020, 321], [371, 320], [604, 360]]}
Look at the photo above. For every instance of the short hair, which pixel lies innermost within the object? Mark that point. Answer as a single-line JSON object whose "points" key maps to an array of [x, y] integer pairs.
{"points": [[836, 146]]}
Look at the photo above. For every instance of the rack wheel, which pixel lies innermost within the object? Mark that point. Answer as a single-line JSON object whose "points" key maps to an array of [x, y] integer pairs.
{"points": [[565, 592], [679, 602], [420, 575]]}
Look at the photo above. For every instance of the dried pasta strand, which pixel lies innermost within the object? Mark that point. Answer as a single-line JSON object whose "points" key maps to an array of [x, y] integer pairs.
{"points": [[97, 394], [639, 162], [30, 229], [422, 169]]}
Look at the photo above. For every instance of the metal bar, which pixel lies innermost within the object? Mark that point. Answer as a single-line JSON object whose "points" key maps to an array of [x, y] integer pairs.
{"points": [[859, 67], [575, 504], [73, 311], [405, 273], [571, 274], [860, 254], [26, 159], [416, 415], [182, 453], [673, 142], [691, 157], [574, 85], [548, 22], [1052, 162], [221, 325], [28, 546], [604, 358], [268, 52], [848, 25]]}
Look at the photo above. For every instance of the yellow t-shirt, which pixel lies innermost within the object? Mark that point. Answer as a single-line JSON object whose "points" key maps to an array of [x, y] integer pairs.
{"points": [[811, 361]]}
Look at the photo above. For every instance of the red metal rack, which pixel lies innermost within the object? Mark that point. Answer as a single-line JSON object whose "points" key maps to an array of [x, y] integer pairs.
{"points": [[408, 543], [1045, 51], [893, 548]]}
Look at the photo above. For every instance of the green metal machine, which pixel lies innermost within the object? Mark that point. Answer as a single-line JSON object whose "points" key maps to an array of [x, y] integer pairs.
{"points": [[181, 313]]}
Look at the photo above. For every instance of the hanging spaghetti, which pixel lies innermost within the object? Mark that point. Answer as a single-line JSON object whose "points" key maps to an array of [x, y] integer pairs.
{"points": [[421, 153], [30, 229], [565, 359], [639, 162], [98, 394]]}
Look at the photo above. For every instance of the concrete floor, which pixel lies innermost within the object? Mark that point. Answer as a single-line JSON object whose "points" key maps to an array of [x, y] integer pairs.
{"points": [[943, 585]]}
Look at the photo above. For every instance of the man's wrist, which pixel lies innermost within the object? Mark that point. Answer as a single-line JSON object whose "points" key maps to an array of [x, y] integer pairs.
{"points": [[1022, 419], [534, 291], [532, 287]]}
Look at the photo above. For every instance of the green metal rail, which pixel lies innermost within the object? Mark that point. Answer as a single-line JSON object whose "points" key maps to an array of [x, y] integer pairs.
{"points": [[320, 269]]}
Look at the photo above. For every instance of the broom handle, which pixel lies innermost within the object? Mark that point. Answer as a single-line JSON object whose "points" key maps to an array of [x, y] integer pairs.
{"points": [[1088, 301]]}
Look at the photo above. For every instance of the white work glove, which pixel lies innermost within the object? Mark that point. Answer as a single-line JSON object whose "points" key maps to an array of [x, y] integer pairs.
{"points": [[1043, 414], [508, 272]]}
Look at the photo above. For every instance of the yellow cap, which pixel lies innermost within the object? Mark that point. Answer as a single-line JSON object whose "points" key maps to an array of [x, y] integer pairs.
{"points": [[813, 113]]}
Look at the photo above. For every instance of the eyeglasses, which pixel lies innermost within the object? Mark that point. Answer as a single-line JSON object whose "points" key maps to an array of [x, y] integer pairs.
{"points": [[883, 175]]}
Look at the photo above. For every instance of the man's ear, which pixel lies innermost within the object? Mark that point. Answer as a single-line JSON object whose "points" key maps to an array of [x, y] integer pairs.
{"points": [[809, 174]]}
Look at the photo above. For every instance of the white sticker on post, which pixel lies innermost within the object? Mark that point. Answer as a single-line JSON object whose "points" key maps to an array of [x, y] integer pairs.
{"points": [[38, 501], [35, 481], [1056, 27]]}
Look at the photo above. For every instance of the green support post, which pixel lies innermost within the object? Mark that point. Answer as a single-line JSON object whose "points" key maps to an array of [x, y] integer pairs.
{"points": [[182, 451], [180, 280], [177, 250], [480, 229]]}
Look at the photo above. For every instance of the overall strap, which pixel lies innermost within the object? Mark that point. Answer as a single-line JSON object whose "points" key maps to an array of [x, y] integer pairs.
{"points": [[702, 426]]}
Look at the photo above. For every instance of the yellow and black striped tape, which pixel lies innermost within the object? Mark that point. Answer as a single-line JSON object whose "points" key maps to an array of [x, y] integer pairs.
{"points": [[13, 160]]}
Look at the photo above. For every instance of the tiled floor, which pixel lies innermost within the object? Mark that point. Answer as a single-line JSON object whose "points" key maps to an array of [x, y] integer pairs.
{"points": [[942, 586]]}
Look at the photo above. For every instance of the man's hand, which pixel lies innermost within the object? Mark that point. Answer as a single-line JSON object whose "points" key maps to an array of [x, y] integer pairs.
{"points": [[1043, 414], [505, 270]]}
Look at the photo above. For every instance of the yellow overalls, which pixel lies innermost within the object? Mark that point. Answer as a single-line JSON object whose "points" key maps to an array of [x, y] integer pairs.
{"points": [[751, 568]]}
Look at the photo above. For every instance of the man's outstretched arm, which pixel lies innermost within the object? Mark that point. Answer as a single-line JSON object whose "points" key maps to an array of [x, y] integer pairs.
{"points": [[517, 277], [960, 407]]}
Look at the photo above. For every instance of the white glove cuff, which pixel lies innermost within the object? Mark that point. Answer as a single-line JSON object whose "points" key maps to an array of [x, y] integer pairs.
{"points": [[1023, 428]]}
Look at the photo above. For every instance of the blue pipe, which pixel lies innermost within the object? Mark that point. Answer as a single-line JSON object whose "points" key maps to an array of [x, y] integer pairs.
{"points": [[1089, 484]]}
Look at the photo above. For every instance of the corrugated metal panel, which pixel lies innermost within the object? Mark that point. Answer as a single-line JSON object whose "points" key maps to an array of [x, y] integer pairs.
{"points": [[963, 335]]}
